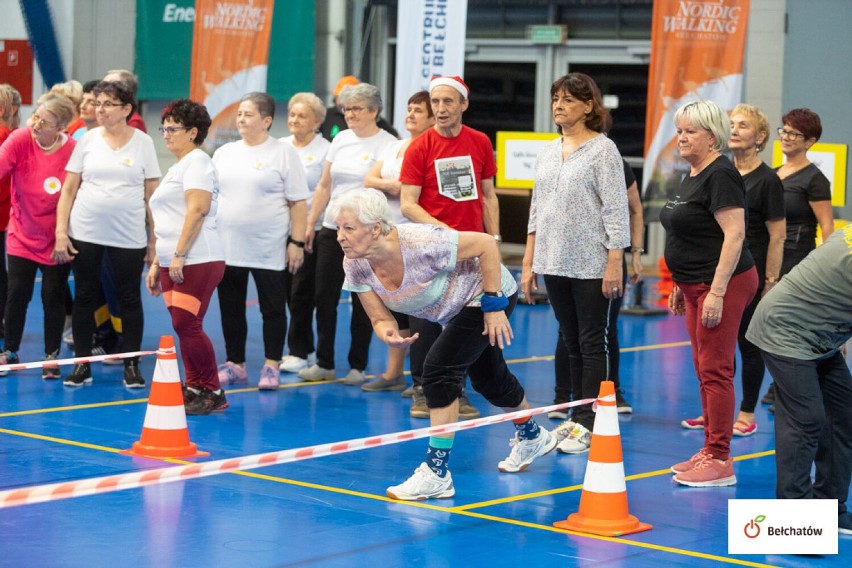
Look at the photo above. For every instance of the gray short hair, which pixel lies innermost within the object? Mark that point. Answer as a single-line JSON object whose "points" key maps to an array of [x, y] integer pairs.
{"points": [[311, 101], [362, 92], [369, 205], [709, 116]]}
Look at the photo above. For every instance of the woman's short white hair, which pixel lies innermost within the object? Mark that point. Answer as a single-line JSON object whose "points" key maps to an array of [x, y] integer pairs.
{"points": [[707, 115], [369, 205]]}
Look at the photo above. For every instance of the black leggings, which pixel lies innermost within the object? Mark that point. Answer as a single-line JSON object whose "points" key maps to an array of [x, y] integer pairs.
{"points": [[127, 275], [271, 295], [22, 273]]}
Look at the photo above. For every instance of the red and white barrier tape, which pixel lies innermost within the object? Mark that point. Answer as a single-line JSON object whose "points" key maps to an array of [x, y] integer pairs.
{"points": [[72, 361], [108, 484]]}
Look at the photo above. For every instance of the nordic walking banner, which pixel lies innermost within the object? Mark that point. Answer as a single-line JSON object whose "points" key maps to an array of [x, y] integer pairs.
{"points": [[697, 52], [230, 51], [430, 36]]}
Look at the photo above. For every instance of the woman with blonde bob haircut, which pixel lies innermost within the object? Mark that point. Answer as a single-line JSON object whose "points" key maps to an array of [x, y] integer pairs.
{"points": [[305, 113], [715, 279]]}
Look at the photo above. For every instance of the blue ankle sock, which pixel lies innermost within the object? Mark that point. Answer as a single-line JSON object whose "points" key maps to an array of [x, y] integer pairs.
{"points": [[527, 430], [438, 455]]}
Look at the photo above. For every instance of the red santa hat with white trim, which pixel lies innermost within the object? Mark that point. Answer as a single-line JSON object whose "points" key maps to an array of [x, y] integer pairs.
{"points": [[455, 82]]}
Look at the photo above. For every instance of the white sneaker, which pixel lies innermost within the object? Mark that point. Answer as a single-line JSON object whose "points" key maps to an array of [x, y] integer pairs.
{"points": [[558, 414], [293, 364], [524, 452], [424, 484], [577, 442], [354, 377], [563, 430], [317, 373]]}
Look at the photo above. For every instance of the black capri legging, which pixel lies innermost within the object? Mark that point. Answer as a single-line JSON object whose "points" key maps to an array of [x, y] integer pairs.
{"points": [[461, 349]]}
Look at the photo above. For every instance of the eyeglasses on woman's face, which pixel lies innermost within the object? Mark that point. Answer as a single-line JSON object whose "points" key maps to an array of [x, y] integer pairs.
{"points": [[39, 122], [106, 105], [790, 134], [172, 129]]}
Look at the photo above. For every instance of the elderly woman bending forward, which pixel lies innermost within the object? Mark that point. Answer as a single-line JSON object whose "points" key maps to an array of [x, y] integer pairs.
{"points": [[453, 278]]}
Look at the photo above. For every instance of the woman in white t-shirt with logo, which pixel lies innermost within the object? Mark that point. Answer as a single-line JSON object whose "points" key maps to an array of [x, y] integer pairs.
{"points": [[262, 192], [384, 176], [305, 114], [189, 262], [351, 155], [102, 211]]}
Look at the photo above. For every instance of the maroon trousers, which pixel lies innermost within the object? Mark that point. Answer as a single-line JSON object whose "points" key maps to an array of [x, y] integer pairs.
{"points": [[713, 352], [187, 303]]}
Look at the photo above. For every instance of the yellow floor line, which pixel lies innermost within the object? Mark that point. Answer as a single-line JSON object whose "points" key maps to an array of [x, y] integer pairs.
{"points": [[570, 488], [463, 510]]}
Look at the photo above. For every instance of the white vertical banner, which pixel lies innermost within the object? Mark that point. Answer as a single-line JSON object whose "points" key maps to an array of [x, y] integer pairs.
{"points": [[430, 37]]}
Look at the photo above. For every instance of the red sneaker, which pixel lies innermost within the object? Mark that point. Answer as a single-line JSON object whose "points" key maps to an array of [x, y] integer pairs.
{"points": [[709, 472]]}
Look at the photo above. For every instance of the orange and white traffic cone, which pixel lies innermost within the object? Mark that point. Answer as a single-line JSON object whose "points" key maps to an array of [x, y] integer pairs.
{"points": [[603, 503], [164, 434]]}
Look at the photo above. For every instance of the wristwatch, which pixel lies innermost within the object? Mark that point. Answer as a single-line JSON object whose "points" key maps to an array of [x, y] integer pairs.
{"points": [[291, 240], [637, 250], [772, 279]]}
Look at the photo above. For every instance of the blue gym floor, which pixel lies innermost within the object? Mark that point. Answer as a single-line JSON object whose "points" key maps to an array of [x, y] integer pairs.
{"points": [[332, 511]]}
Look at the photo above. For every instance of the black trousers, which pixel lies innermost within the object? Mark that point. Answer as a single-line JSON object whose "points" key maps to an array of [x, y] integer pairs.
{"points": [[300, 336], [22, 273], [271, 296], [329, 283], [126, 267], [813, 426], [585, 323], [461, 349]]}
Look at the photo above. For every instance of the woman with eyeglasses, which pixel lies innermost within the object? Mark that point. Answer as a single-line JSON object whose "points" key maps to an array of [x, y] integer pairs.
{"points": [[807, 195], [351, 155], [189, 263], [35, 158], [807, 192], [102, 211]]}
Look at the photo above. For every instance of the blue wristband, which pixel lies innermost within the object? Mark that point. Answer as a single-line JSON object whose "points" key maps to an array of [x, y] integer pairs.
{"points": [[494, 303]]}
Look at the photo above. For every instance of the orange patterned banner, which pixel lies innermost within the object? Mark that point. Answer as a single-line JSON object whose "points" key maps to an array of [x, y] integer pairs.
{"points": [[697, 52], [230, 51]]}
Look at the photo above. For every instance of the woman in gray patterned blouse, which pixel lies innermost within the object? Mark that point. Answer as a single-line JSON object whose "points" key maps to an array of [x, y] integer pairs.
{"points": [[578, 229]]}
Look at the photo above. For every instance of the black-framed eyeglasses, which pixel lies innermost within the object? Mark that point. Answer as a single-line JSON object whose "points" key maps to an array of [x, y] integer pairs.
{"points": [[172, 129], [107, 104], [353, 110], [784, 133]]}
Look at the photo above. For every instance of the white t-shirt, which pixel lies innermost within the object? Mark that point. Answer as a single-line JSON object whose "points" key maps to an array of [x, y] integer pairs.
{"points": [[391, 166], [109, 208], [313, 160], [168, 207], [351, 158], [255, 185]]}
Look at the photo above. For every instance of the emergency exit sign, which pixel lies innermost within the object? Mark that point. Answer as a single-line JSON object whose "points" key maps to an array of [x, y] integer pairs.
{"points": [[547, 34]]}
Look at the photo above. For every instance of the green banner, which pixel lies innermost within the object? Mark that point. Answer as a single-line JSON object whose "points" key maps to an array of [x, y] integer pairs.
{"points": [[164, 48]]}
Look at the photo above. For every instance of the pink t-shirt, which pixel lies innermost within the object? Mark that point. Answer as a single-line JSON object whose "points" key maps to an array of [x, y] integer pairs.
{"points": [[37, 179]]}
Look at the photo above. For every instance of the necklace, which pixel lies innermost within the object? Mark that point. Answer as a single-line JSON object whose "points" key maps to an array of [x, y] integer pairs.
{"points": [[48, 148]]}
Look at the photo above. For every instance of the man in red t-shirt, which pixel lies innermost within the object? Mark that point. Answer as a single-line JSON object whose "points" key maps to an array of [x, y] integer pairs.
{"points": [[447, 179]]}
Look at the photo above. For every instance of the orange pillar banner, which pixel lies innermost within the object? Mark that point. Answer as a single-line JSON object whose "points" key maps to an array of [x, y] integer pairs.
{"points": [[697, 52], [230, 51]]}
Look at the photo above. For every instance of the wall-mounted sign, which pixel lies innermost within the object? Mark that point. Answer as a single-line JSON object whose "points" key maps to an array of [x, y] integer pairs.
{"points": [[516, 154]]}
